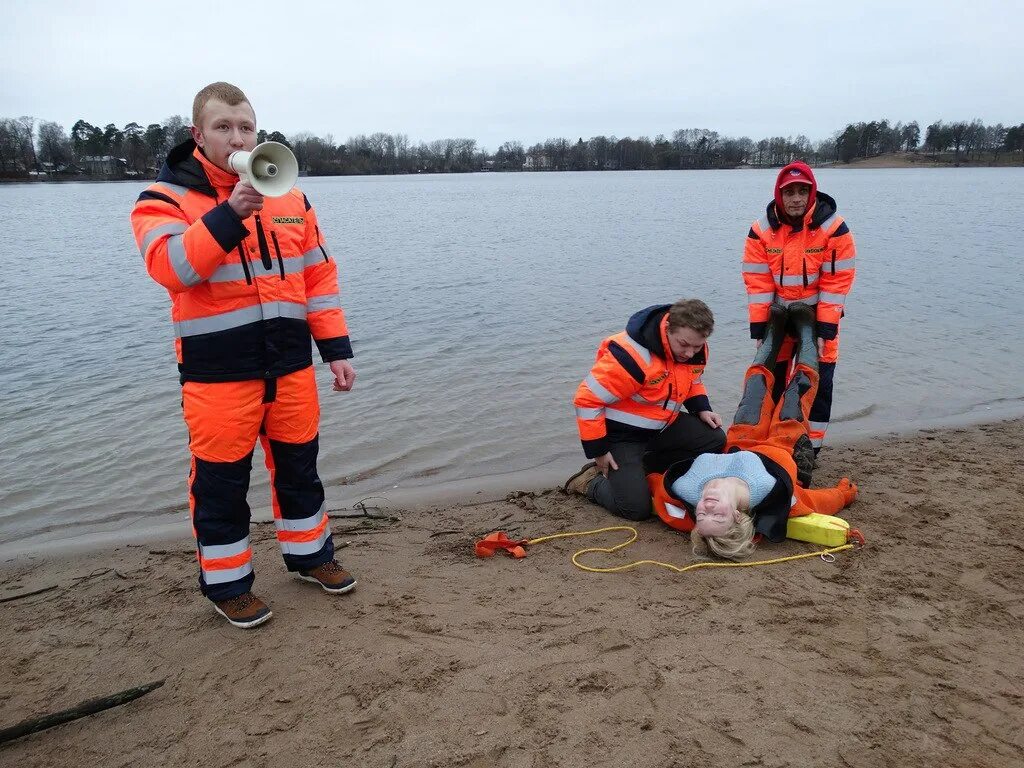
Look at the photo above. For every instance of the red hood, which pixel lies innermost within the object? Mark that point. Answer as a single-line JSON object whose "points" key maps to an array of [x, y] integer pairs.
{"points": [[805, 170]]}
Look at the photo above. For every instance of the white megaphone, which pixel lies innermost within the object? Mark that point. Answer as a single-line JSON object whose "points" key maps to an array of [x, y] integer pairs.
{"points": [[271, 168]]}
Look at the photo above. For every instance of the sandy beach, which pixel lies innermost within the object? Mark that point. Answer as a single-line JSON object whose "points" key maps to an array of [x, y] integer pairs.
{"points": [[906, 652]]}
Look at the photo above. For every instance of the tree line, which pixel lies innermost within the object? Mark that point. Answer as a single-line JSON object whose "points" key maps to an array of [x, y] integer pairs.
{"points": [[46, 150]]}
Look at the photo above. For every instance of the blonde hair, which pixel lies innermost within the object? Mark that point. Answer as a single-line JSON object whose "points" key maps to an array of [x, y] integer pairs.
{"points": [[230, 94], [735, 544]]}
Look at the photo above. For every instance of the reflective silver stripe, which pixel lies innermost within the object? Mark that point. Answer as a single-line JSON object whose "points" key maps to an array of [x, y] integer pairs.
{"points": [[306, 547], [239, 317], [817, 426], [175, 188], [636, 421], [217, 551], [763, 224], [759, 268], [225, 575], [760, 298], [598, 389], [318, 303], [677, 512], [301, 524], [826, 266], [817, 442], [799, 279], [806, 300], [179, 261], [172, 228], [227, 273], [672, 405], [641, 350], [833, 298], [313, 256], [273, 309], [589, 413], [828, 222]]}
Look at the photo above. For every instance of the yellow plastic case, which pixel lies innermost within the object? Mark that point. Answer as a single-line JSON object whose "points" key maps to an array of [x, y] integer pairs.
{"points": [[827, 530]]}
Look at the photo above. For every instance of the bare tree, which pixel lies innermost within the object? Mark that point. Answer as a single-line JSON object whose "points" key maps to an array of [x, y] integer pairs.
{"points": [[176, 130], [54, 146]]}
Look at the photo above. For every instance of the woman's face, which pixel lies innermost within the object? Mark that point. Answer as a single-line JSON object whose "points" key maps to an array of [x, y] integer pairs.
{"points": [[716, 511]]}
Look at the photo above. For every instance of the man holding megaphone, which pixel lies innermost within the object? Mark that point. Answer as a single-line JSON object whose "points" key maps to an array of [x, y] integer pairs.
{"points": [[240, 251]]}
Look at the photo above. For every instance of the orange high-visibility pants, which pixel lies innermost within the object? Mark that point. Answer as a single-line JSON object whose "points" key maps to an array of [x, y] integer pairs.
{"points": [[224, 421]]}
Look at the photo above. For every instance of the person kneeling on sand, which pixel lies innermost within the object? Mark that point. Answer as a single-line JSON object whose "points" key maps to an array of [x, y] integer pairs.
{"points": [[725, 500], [628, 409]]}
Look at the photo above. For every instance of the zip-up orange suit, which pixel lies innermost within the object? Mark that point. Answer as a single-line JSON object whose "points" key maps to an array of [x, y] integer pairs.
{"points": [[245, 298], [769, 429]]}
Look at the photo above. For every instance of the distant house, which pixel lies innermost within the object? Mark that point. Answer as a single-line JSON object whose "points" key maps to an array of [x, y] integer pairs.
{"points": [[104, 165], [537, 163]]}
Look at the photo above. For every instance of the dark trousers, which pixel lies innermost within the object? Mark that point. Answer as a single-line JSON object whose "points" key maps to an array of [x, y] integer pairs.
{"points": [[625, 492], [221, 516]]}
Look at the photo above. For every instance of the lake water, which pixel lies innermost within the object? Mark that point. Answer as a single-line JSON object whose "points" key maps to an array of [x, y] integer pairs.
{"points": [[475, 304]]}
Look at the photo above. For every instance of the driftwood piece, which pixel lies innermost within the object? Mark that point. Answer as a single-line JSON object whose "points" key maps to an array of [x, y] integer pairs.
{"points": [[9, 598], [85, 708]]}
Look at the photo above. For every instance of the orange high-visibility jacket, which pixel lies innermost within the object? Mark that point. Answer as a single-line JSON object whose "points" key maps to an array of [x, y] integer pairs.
{"points": [[245, 295], [636, 388], [814, 263]]}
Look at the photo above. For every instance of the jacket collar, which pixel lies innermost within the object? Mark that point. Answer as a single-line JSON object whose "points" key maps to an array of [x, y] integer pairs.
{"points": [[188, 167], [218, 177]]}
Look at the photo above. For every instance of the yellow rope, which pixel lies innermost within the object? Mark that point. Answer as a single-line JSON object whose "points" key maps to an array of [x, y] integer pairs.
{"points": [[676, 568]]}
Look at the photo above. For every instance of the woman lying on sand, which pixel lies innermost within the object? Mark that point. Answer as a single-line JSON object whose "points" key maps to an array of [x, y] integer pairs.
{"points": [[724, 500]]}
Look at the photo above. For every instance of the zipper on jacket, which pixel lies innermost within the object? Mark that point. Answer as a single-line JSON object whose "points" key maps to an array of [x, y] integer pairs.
{"points": [[805, 271], [664, 406], [245, 264], [277, 250], [261, 238], [318, 245], [833, 261]]}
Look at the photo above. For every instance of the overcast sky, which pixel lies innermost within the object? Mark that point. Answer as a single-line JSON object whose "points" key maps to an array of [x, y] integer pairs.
{"points": [[520, 70]]}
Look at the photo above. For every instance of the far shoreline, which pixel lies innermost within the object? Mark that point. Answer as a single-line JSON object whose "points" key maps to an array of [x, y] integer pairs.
{"points": [[899, 160]]}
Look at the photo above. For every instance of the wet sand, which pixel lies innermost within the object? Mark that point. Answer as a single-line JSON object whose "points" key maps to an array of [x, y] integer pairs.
{"points": [[907, 652]]}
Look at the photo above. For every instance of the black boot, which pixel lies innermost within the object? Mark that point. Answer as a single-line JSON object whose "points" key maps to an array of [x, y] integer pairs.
{"points": [[803, 457]]}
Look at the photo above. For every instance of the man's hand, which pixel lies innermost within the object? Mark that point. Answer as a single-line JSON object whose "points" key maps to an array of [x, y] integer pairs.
{"points": [[244, 200], [710, 418], [759, 343], [821, 348], [344, 375], [606, 463]]}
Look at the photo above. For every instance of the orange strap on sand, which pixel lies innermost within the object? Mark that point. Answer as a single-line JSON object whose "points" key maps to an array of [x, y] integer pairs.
{"points": [[855, 537], [491, 543]]}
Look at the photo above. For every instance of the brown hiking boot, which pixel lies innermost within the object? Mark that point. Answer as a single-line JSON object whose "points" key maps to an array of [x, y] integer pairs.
{"points": [[245, 611], [332, 577], [578, 483]]}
